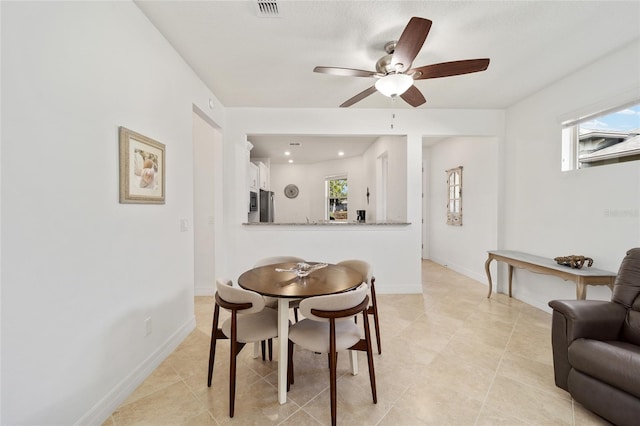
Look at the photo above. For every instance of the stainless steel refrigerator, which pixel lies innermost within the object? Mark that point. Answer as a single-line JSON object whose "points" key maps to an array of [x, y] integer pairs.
{"points": [[266, 206]]}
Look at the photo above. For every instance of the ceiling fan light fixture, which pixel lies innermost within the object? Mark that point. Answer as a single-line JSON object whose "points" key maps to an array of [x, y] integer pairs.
{"points": [[392, 85]]}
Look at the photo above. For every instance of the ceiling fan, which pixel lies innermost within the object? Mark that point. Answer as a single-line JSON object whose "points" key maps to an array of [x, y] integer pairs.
{"points": [[394, 73]]}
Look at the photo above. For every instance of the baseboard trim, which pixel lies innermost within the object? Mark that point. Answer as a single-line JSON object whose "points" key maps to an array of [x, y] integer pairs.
{"points": [[112, 400]]}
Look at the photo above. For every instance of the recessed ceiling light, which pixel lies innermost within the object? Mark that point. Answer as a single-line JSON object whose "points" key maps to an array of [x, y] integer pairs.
{"points": [[290, 160], [287, 153], [340, 153]]}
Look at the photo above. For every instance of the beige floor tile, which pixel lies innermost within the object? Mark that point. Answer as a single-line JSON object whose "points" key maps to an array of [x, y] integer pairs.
{"points": [[189, 357], [311, 375], [444, 323], [500, 307], [476, 354], [431, 404], [529, 372], [173, 404], [450, 374], [450, 356], [535, 346], [477, 332], [300, 418], [355, 405], [397, 416], [203, 419], [255, 403], [535, 316], [584, 417], [512, 402], [161, 377]]}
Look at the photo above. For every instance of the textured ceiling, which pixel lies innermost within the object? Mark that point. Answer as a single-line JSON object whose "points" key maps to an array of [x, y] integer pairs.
{"points": [[252, 61]]}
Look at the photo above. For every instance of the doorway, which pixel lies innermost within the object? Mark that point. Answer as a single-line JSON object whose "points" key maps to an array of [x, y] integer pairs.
{"points": [[207, 178]]}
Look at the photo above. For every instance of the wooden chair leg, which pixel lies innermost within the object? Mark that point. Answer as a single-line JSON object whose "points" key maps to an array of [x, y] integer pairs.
{"points": [[233, 359], [214, 339], [372, 374], [290, 366], [295, 313], [376, 324], [264, 351], [374, 311], [333, 360], [270, 349]]}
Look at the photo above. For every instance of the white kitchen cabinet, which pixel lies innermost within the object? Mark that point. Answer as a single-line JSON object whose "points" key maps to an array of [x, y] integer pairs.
{"points": [[254, 172], [263, 175]]}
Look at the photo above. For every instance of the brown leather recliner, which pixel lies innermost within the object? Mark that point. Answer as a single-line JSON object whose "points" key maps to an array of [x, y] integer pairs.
{"points": [[596, 347]]}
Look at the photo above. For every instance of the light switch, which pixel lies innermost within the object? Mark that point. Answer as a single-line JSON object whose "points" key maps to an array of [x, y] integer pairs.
{"points": [[184, 225]]}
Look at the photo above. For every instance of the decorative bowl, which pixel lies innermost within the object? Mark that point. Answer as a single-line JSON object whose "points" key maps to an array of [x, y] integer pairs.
{"points": [[302, 269]]}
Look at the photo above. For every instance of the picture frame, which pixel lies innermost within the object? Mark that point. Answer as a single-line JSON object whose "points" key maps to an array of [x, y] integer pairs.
{"points": [[142, 168]]}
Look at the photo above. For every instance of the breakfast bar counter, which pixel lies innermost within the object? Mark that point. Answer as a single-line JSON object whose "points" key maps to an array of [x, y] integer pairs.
{"points": [[327, 223]]}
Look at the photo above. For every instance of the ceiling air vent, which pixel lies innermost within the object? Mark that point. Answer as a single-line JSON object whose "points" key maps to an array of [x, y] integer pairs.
{"points": [[268, 9]]}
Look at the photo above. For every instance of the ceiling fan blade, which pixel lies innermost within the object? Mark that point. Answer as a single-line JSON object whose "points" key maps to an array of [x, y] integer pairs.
{"points": [[410, 43], [360, 96], [447, 69], [413, 97], [347, 72]]}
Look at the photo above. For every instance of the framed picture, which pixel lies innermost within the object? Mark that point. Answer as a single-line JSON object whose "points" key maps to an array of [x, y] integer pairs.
{"points": [[142, 170]]}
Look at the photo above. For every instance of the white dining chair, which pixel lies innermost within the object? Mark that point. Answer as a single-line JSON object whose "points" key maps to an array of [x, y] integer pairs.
{"points": [[365, 269], [272, 302], [329, 328], [250, 321]]}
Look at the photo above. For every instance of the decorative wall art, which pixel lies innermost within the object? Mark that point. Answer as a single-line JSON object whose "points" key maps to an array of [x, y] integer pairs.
{"points": [[291, 191], [142, 168]]}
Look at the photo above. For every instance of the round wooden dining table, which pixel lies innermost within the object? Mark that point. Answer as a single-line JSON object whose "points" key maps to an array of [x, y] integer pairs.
{"points": [[286, 286]]}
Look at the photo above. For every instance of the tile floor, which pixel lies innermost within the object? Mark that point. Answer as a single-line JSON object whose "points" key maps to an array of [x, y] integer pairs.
{"points": [[450, 357]]}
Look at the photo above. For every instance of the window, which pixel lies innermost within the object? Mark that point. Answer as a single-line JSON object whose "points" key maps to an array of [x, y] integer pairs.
{"points": [[337, 191], [454, 191], [605, 138]]}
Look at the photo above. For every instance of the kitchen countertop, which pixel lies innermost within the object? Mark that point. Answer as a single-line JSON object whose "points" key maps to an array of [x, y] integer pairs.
{"points": [[327, 223]]}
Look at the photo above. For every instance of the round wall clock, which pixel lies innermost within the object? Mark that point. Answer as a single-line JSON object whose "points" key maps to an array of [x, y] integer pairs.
{"points": [[291, 191]]}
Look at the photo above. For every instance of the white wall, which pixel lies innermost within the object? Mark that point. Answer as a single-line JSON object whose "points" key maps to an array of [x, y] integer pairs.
{"points": [[552, 213], [81, 272], [395, 148], [394, 251], [464, 248], [310, 179], [207, 194]]}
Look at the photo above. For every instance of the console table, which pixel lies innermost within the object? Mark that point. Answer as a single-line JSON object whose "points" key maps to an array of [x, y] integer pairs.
{"points": [[542, 265]]}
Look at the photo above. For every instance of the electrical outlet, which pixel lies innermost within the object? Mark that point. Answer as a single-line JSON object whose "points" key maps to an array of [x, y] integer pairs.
{"points": [[147, 326]]}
